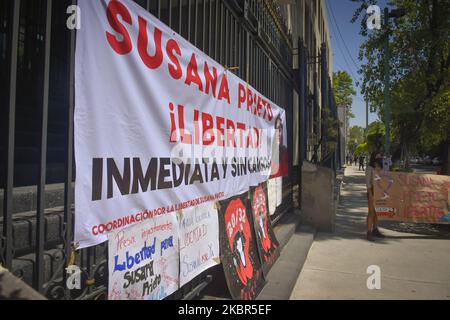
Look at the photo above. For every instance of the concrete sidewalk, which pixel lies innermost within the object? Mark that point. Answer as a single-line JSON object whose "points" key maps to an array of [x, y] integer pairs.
{"points": [[414, 258]]}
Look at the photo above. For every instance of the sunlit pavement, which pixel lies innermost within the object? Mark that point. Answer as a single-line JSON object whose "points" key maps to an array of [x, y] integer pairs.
{"points": [[414, 259]]}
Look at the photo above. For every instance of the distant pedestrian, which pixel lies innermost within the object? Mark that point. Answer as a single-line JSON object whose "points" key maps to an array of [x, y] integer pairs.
{"points": [[375, 166], [361, 162], [355, 160]]}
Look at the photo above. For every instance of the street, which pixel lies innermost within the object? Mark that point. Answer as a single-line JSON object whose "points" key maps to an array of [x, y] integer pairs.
{"points": [[413, 258]]}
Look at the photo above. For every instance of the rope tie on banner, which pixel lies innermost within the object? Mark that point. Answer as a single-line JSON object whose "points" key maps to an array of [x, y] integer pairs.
{"points": [[231, 68], [71, 262], [71, 259]]}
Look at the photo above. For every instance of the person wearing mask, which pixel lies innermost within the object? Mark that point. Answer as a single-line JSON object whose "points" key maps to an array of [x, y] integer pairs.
{"points": [[374, 167]]}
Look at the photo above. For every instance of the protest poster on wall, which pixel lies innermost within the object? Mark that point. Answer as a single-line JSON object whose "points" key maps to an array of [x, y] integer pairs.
{"points": [[412, 197], [274, 193], [280, 155], [238, 249], [199, 241], [268, 246], [160, 126], [144, 260]]}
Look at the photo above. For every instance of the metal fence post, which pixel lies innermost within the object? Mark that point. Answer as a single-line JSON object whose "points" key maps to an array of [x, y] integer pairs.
{"points": [[40, 214]]}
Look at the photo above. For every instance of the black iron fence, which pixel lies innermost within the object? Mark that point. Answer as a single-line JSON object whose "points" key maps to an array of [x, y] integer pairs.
{"points": [[36, 112]]}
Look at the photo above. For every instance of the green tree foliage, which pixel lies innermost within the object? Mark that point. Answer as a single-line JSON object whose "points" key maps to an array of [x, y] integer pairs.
{"points": [[420, 71], [360, 149], [344, 92]]}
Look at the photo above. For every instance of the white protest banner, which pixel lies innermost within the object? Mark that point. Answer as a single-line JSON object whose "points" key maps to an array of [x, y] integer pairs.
{"points": [[144, 260], [159, 126], [279, 182], [199, 241]]}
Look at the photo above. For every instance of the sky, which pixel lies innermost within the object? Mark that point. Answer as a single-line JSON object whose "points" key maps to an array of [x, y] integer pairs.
{"points": [[345, 41]]}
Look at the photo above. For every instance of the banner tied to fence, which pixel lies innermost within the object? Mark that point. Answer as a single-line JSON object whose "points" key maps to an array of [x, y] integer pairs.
{"points": [[159, 126]]}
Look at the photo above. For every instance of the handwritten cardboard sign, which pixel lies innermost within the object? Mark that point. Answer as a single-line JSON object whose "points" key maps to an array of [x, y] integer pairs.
{"points": [[144, 260], [238, 252], [199, 241], [268, 246], [411, 197]]}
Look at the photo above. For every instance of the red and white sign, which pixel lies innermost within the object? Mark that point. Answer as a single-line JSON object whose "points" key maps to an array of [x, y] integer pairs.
{"points": [[159, 126]]}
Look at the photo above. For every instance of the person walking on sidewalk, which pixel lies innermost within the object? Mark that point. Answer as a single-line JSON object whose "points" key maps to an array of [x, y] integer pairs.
{"points": [[361, 162], [375, 166]]}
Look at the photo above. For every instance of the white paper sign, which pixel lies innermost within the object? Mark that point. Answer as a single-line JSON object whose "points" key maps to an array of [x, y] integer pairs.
{"points": [[199, 241], [146, 98], [144, 260], [279, 188]]}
